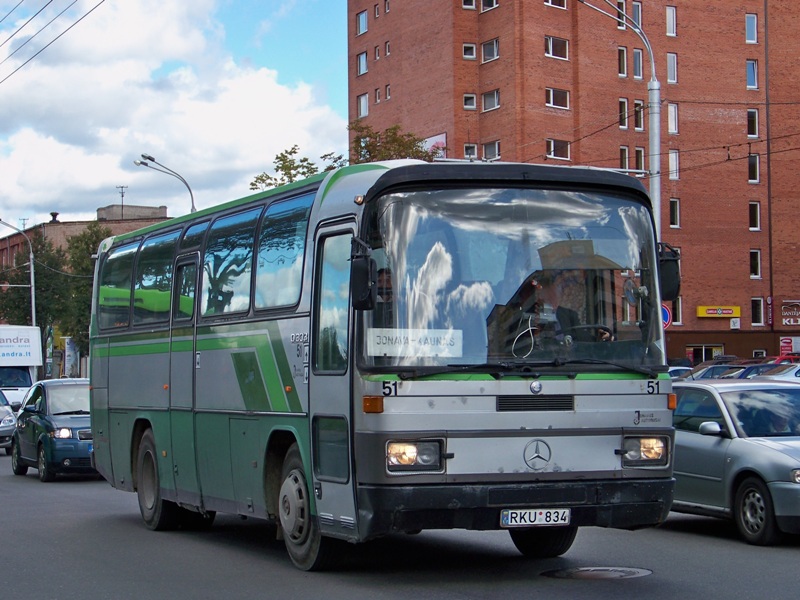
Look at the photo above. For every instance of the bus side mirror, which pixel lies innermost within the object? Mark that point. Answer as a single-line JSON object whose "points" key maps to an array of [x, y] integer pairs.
{"points": [[669, 276], [364, 282]]}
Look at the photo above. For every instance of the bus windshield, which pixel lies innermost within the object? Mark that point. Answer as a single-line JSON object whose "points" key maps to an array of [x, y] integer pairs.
{"points": [[522, 277]]}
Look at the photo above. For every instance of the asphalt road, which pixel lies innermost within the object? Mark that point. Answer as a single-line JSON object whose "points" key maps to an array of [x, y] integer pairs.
{"points": [[79, 538]]}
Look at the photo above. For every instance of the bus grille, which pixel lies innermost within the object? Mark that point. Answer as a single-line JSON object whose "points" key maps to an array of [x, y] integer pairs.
{"points": [[535, 403]]}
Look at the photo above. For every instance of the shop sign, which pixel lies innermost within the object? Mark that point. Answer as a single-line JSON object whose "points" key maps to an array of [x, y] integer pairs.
{"points": [[790, 312], [725, 312]]}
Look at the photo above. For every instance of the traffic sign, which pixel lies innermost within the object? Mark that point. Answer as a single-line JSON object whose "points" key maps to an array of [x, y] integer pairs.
{"points": [[666, 315]]}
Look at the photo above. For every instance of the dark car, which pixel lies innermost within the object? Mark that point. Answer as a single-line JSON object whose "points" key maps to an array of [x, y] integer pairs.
{"points": [[53, 431]]}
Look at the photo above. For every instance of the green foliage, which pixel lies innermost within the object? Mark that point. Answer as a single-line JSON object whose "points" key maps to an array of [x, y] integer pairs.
{"points": [[288, 168], [369, 145]]}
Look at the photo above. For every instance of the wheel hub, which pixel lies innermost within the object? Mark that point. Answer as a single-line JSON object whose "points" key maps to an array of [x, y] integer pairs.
{"points": [[293, 511], [753, 511]]}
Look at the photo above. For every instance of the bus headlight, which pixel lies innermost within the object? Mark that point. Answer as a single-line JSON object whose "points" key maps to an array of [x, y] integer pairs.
{"points": [[414, 456], [645, 451]]}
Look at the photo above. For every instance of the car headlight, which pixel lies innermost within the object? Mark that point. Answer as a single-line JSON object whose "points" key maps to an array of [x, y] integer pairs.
{"points": [[8, 420], [414, 456], [645, 451], [794, 476], [62, 433]]}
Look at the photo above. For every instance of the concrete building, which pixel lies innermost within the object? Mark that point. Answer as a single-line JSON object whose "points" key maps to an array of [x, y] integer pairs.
{"points": [[556, 81]]}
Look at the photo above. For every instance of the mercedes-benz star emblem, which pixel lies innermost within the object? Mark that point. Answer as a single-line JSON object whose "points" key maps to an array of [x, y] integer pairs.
{"points": [[536, 387], [537, 454]]}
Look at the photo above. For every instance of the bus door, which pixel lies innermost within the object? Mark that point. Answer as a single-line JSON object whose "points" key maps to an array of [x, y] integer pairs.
{"points": [[182, 380], [329, 385]]}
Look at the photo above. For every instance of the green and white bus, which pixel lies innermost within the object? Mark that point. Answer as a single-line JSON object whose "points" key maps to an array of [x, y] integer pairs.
{"points": [[372, 351]]}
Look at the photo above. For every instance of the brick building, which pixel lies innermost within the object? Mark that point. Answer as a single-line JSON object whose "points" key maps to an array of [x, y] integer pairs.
{"points": [[556, 81]]}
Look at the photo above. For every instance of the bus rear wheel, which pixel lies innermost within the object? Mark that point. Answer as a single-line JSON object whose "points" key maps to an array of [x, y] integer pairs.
{"points": [[543, 542], [307, 548], [158, 514]]}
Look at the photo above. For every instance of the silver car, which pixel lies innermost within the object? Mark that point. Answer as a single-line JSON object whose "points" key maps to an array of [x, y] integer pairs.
{"points": [[737, 454], [7, 423], [783, 373]]}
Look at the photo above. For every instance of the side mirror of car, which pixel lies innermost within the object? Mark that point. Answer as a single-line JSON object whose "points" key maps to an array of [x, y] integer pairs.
{"points": [[710, 428], [30, 408]]}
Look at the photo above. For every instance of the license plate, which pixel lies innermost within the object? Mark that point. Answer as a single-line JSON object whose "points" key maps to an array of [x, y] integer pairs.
{"points": [[534, 517]]}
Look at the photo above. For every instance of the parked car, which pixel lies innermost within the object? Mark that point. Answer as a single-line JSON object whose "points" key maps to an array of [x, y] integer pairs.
{"points": [[53, 432], [748, 371], [7, 423], [789, 357], [737, 454], [678, 371], [708, 371], [786, 372]]}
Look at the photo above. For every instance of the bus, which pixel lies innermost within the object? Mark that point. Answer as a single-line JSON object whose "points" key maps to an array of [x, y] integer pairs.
{"points": [[370, 351]]}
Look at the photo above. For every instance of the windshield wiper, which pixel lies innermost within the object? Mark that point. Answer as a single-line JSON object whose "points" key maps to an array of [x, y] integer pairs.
{"points": [[650, 371], [496, 369], [72, 412], [500, 369]]}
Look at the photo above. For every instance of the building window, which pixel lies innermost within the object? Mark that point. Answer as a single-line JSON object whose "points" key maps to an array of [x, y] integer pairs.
{"points": [[469, 51], [470, 4], [638, 115], [556, 47], [361, 63], [386, 6], [363, 105], [623, 158], [470, 151], [620, 14], [674, 212], [672, 20], [470, 102], [377, 52], [622, 61], [377, 11], [623, 113], [491, 151], [556, 98], [637, 63], [752, 122], [672, 118], [753, 161], [638, 157], [636, 13], [557, 149], [361, 22], [751, 29], [491, 100], [388, 93], [377, 95], [556, 3], [488, 4], [677, 311], [752, 74], [755, 264], [672, 67], [387, 49], [674, 165], [757, 311], [490, 50], [755, 216]]}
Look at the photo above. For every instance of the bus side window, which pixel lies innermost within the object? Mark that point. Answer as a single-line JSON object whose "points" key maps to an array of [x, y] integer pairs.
{"points": [[332, 320], [185, 280]]}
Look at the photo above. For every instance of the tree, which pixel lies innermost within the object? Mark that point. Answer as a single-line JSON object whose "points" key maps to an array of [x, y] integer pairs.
{"points": [[369, 145], [288, 169], [81, 248]]}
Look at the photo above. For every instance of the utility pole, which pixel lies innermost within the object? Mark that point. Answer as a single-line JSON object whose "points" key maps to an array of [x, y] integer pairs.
{"points": [[121, 189]]}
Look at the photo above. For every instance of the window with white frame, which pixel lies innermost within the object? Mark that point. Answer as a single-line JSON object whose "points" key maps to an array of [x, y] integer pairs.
{"points": [[675, 212], [622, 61], [752, 74], [491, 151], [556, 3], [674, 165], [757, 311], [754, 215], [361, 63], [490, 50], [470, 4], [623, 113], [470, 102], [638, 158], [361, 22], [677, 311], [488, 4], [557, 149], [672, 20], [638, 115], [636, 13], [491, 100], [363, 105], [469, 51], [672, 118], [624, 158], [388, 93], [638, 57], [556, 98], [377, 11], [672, 67], [377, 52], [387, 50], [620, 14], [753, 168], [556, 47], [755, 264], [471, 151], [377, 95], [386, 6], [751, 29], [752, 122]]}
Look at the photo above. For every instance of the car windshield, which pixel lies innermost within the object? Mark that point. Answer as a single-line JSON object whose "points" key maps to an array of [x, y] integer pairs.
{"points": [[15, 377], [68, 399], [3, 400], [522, 277], [765, 412]]}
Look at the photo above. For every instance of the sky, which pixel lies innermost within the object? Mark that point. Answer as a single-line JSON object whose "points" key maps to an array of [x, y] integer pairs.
{"points": [[212, 89]]}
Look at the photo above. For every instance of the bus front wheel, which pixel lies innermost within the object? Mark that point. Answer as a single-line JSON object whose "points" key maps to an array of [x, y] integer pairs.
{"points": [[307, 548], [158, 514], [543, 542]]}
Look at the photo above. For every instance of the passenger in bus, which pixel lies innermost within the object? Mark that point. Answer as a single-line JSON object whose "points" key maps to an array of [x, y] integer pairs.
{"points": [[384, 308], [385, 293], [553, 286]]}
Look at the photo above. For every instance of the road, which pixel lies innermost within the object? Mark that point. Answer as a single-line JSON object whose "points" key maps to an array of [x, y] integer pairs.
{"points": [[78, 538]]}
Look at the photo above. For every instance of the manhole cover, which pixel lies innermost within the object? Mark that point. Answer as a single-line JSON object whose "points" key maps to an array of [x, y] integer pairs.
{"points": [[598, 573]]}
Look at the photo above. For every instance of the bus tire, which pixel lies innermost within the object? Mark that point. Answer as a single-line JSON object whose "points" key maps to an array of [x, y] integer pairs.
{"points": [[158, 514], [307, 548], [543, 542]]}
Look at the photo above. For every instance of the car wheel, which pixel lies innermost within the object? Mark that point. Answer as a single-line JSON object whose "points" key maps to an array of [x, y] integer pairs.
{"points": [[16, 460], [45, 472], [307, 548], [754, 514], [543, 542], [158, 514]]}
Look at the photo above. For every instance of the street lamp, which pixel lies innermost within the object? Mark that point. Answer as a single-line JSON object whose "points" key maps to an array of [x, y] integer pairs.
{"points": [[654, 102], [147, 159], [30, 259]]}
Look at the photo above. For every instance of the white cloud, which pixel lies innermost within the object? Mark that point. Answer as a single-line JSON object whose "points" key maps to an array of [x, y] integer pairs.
{"points": [[150, 77]]}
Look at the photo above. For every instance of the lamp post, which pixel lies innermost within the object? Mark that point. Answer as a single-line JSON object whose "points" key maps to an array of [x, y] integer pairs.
{"points": [[30, 259], [145, 162], [654, 106]]}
